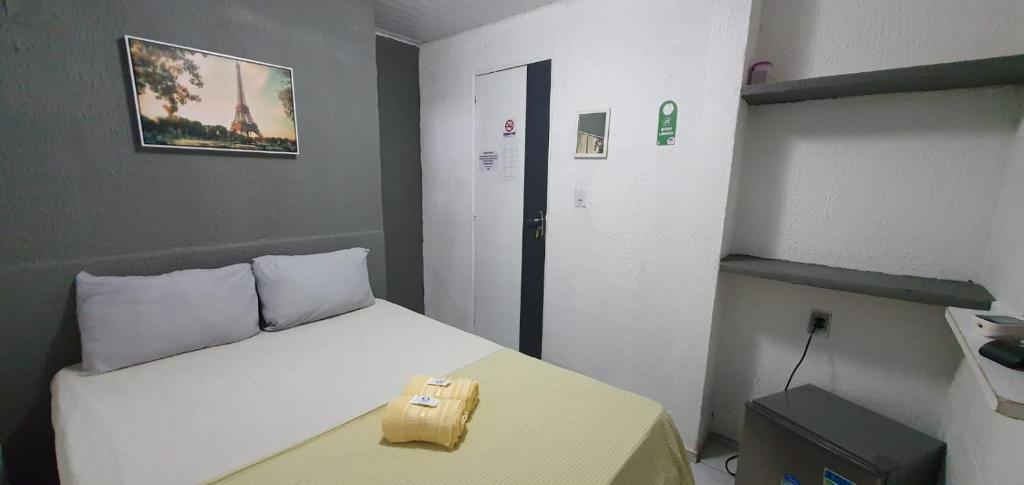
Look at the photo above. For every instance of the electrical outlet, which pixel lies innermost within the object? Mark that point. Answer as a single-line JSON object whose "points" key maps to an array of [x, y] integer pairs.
{"points": [[581, 198], [816, 314]]}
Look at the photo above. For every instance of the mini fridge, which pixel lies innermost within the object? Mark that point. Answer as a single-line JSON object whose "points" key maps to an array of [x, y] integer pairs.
{"points": [[807, 436]]}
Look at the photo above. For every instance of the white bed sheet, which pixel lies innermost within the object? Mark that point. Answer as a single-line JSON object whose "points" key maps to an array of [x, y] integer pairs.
{"points": [[194, 417]]}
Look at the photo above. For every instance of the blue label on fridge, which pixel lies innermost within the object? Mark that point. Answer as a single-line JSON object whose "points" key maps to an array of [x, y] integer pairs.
{"points": [[833, 478]]}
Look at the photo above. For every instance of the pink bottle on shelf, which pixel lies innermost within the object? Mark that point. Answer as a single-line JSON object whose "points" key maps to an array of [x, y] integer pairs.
{"points": [[761, 72]]}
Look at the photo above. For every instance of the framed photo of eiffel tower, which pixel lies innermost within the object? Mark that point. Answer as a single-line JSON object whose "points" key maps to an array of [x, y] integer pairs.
{"points": [[191, 99]]}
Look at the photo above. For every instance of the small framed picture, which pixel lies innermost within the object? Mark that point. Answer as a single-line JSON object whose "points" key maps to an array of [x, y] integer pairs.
{"points": [[592, 134]]}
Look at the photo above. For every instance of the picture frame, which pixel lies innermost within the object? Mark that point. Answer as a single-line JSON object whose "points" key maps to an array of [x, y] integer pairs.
{"points": [[213, 101], [592, 134]]}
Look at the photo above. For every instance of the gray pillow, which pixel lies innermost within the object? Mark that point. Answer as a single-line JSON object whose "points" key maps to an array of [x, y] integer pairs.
{"points": [[128, 320], [301, 289]]}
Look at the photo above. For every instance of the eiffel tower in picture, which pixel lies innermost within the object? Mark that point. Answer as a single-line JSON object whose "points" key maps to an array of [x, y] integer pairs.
{"points": [[243, 123]]}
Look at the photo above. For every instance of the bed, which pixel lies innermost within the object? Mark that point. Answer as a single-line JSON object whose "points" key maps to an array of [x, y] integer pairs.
{"points": [[302, 406]]}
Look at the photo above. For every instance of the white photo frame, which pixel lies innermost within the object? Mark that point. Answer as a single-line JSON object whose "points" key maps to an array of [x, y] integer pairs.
{"points": [[592, 134]]}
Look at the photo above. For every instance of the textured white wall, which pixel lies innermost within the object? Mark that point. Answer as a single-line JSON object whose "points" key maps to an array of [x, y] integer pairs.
{"points": [[887, 355], [926, 184], [983, 447], [873, 182], [630, 279], [1004, 266], [903, 184], [806, 38]]}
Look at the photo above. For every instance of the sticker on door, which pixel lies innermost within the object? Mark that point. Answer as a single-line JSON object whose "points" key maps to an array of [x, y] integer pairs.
{"points": [[510, 127], [509, 151]]}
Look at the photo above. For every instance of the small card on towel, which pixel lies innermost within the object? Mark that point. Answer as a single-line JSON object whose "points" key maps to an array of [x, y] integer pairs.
{"points": [[439, 381], [430, 402]]}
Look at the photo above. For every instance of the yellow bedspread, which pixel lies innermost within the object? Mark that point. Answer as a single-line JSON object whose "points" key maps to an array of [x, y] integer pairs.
{"points": [[535, 424]]}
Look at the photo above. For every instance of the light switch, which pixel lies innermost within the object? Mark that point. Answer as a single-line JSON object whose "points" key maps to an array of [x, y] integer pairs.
{"points": [[581, 198]]}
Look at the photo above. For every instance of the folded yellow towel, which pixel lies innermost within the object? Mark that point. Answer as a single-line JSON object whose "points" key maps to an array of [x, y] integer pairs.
{"points": [[443, 424], [459, 388]]}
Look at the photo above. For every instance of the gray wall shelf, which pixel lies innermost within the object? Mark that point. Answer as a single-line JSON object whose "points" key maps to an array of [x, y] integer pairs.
{"points": [[909, 288], [994, 71]]}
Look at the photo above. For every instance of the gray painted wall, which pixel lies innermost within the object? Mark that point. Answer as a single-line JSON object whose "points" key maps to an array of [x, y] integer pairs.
{"points": [[76, 193], [398, 101]]}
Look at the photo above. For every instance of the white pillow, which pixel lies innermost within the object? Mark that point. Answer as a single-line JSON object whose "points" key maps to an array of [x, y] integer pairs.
{"points": [[128, 320], [295, 290]]}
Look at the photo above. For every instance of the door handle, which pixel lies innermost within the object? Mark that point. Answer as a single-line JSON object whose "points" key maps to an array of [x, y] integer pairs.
{"points": [[537, 223]]}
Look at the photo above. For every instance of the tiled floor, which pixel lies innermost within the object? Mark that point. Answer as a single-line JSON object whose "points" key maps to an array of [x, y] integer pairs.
{"points": [[711, 469]]}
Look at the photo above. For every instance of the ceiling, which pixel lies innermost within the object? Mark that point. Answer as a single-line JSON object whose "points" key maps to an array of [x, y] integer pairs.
{"points": [[421, 21]]}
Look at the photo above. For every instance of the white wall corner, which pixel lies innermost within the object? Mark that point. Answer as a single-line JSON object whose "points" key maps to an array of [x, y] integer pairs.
{"points": [[733, 34], [1004, 260]]}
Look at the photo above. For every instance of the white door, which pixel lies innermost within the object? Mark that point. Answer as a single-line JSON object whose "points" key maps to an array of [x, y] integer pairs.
{"points": [[498, 204]]}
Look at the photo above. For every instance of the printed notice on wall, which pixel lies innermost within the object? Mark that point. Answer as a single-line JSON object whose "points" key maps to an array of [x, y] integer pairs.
{"points": [[510, 157], [509, 150], [488, 161]]}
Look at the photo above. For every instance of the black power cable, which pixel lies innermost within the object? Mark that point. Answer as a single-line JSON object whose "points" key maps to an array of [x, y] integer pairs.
{"points": [[802, 357], [729, 460], [817, 324]]}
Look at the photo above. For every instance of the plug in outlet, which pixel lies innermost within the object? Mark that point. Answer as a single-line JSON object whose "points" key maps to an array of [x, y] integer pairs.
{"points": [[815, 315]]}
